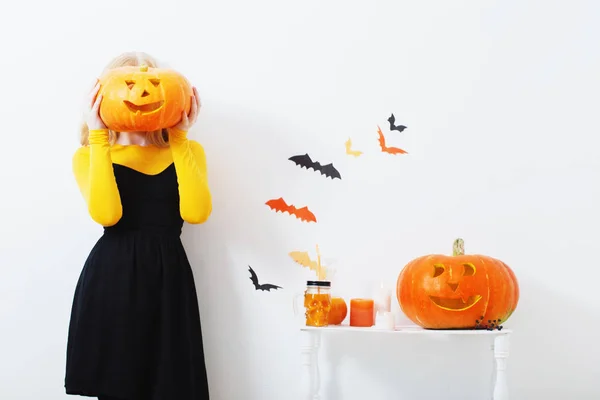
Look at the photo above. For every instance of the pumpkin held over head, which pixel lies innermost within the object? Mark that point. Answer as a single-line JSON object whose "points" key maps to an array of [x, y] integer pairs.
{"points": [[143, 98], [455, 292]]}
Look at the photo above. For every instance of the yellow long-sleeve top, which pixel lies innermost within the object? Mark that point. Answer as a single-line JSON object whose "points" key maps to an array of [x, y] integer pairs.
{"points": [[93, 169]]}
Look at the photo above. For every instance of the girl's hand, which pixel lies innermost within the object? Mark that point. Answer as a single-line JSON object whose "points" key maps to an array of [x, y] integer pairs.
{"points": [[92, 116], [188, 120]]}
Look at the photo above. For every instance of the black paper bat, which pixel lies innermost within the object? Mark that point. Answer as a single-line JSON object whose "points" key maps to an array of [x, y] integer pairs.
{"points": [[393, 127], [304, 161], [263, 287]]}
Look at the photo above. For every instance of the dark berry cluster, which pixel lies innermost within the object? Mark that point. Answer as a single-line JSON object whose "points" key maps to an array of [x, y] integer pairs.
{"points": [[490, 325]]}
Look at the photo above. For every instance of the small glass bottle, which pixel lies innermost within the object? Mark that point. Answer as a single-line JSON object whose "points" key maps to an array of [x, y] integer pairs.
{"points": [[317, 303]]}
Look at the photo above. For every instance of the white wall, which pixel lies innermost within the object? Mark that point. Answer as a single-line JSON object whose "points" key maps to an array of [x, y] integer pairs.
{"points": [[501, 100]]}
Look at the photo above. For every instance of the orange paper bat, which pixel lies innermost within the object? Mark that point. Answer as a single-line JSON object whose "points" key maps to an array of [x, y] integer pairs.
{"points": [[384, 148], [303, 213]]}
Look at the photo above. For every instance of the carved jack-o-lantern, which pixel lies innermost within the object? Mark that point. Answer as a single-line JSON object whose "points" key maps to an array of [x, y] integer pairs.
{"points": [[455, 292], [143, 99]]}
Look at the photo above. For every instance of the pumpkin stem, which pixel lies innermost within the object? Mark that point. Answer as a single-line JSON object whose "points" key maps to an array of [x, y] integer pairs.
{"points": [[143, 68], [458, 248]]}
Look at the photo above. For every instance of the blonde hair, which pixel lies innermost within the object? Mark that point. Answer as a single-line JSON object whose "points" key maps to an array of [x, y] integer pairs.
{"points": [[158, 138]]}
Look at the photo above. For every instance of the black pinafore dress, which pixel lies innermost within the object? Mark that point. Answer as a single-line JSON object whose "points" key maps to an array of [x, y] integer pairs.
{"points": [[135, 328]]}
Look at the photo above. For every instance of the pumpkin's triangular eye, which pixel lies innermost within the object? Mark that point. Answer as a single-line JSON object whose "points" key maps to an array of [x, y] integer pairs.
{"points": [[438, 269], [130, 84], [155, 82], [469, 269]]}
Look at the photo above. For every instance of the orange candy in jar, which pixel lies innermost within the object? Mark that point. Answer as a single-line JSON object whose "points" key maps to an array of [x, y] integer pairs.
{"points": [[317, 302]]}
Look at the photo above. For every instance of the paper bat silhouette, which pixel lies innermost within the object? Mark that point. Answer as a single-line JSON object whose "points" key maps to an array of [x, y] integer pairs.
{"points": [[349, 150], [304, 161], [393, 127], [264, 286], [384, 148], [302, 258], [303, 214]]}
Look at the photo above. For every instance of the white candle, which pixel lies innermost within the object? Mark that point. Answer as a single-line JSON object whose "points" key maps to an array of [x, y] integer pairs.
{"points": [[384, 320], [383, 300]]}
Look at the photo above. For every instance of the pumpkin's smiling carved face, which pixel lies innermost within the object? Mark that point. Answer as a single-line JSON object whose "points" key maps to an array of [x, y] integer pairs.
{"points": [[143, 99], [452, 286], [144, 94]]}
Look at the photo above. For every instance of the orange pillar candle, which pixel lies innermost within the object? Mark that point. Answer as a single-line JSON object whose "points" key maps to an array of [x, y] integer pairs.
{"points": [[361, 312]]}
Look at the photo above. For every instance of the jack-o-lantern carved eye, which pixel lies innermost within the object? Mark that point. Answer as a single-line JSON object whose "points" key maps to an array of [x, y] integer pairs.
{"points": [[469, 269], [438, 269], [130, 84], [154, 82]]}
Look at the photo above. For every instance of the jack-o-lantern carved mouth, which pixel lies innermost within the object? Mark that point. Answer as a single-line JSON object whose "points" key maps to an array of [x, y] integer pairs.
{"points": [[455, 304], [144, 108]]}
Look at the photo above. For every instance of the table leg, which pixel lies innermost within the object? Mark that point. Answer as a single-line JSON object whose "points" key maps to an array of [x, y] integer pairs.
{"points": [[501, 347], [310, 360]]}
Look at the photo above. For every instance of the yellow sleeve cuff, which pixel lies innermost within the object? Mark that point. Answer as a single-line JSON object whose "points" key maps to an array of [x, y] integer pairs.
{"points": [[98, 136], [177, 136]]}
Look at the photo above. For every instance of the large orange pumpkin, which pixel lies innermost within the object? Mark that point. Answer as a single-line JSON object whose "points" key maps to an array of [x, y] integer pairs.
{"points": [[338, 312], [143, 99], [457, 292]]}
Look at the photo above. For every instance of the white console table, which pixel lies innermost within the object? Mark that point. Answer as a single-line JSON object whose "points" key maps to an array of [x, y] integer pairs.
{"points": [[312, 342]]}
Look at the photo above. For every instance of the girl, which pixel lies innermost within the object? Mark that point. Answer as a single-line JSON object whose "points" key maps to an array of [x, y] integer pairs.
{"points": [[135, 327]]}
